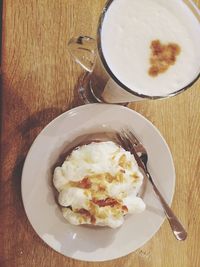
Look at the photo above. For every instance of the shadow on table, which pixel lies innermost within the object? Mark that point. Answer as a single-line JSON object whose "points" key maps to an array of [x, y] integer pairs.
{"points": [[28, 131], [17, 136], [16, 141]]}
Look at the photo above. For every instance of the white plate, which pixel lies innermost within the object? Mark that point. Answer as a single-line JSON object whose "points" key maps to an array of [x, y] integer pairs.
{"points": [[82, 242]]}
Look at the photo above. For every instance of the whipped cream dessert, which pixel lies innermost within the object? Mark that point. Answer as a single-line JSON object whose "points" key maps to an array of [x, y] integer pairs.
{"points": [[98, 184], [129, 29]]}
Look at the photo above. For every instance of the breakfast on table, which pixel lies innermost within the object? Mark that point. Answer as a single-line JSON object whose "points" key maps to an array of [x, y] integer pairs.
{"points": [[144, 49]]}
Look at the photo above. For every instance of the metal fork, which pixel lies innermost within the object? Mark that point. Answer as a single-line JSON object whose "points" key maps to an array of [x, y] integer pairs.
{"points": [[131, 143]]}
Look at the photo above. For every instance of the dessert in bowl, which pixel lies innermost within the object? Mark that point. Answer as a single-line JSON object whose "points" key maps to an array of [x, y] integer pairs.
{"points": [[98, 184]]}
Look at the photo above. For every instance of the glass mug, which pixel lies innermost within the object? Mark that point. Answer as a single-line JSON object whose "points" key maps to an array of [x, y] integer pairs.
{"points": [[99, 84]]}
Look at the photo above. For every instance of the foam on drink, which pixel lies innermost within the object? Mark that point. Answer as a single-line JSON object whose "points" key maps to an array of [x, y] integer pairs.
{"points": [[128, 30]]}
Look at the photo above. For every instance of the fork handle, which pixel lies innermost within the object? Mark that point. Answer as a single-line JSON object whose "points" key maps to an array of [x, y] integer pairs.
{"points": [[175, 224]]}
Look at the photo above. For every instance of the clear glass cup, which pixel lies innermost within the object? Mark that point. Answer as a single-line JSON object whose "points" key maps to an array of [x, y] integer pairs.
{"points": [[99, 84]]}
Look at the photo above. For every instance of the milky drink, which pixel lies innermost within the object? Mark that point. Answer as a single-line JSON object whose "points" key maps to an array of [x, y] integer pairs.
{"points": [[151, 47]]}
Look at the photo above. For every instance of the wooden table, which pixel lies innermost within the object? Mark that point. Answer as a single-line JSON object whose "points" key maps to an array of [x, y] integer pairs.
{"points": [[37, 84]]}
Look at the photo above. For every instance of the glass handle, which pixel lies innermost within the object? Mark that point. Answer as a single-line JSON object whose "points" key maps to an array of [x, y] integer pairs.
{"points": [[83, 50]]}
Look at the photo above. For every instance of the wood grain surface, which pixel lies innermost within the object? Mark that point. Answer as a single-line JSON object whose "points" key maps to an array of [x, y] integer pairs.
{"points": [[38, 82]]}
